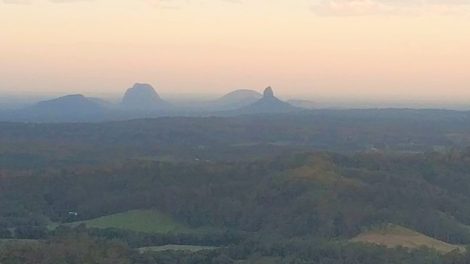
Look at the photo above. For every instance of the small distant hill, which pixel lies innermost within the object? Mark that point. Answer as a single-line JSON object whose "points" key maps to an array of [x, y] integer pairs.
{"points": [[269, 104], [143, 97], [397, 236], [302, 103], [236, 99], [101, 102], [74, 102]]}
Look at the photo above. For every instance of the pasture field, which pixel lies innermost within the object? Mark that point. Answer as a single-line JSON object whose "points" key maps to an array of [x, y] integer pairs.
{"points": [[393, 236], [6, 242], [145, 221], [189, 248]]}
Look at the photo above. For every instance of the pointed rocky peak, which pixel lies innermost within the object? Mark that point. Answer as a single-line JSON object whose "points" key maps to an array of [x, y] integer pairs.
{"points": [[268, 92], [269, 104]]}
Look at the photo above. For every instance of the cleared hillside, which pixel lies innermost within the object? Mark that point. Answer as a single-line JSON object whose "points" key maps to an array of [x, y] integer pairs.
{"points": [[146, 221], [393, 236]]}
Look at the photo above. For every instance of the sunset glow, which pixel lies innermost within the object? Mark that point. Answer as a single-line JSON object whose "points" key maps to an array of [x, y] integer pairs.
{"points": [[338, 48]]}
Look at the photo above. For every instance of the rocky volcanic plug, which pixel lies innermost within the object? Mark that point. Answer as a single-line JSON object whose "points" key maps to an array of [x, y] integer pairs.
{"points": [[269, 104], [143, 96]]}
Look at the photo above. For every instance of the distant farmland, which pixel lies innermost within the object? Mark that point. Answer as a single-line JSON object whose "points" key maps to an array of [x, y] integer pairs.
{"points": [[145, 221], [393, 236], [175, 248]]}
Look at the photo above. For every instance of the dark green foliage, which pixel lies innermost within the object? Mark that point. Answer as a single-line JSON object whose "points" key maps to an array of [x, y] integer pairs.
{"points": [[321, 195], [252, 185], [5, 233], [78, 249], [30, 232]]}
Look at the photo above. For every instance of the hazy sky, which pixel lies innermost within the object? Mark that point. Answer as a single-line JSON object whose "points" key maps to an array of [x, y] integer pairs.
{"points": [[340, 48]]}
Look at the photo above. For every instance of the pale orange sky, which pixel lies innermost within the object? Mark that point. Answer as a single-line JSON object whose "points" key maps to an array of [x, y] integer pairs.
{"points": [[339, 48]]}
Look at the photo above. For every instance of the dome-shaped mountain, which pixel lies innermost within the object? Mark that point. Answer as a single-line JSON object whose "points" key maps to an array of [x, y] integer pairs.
{"points": [[269, 104], [236, 99], [69, 108], [143, 96]]}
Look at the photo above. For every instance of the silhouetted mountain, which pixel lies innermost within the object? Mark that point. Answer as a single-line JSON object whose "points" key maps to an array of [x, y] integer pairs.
{"points": [[143, 97], [236, 99], [269, 104], [69, 108], [75, 102]]}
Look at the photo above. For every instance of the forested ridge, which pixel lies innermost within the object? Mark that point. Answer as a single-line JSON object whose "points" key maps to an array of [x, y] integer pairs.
{"points": [[321, 196], [279, 202], [230, 138]]}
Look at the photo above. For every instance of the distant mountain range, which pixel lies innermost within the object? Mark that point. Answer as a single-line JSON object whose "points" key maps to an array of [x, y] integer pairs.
{"points": [[142, 101]]}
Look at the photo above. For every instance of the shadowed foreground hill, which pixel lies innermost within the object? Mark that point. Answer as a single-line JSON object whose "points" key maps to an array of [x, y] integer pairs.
{"points": [[252, 186], [306, 195], [294, 207]]}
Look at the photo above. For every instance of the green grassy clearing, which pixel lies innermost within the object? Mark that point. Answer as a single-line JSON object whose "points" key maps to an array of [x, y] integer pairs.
{"points": [[146, 221], [175, 248]]}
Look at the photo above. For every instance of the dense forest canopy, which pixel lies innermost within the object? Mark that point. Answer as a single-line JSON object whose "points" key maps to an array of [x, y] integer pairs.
{"points": [[294, 188], [233, 138]]}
